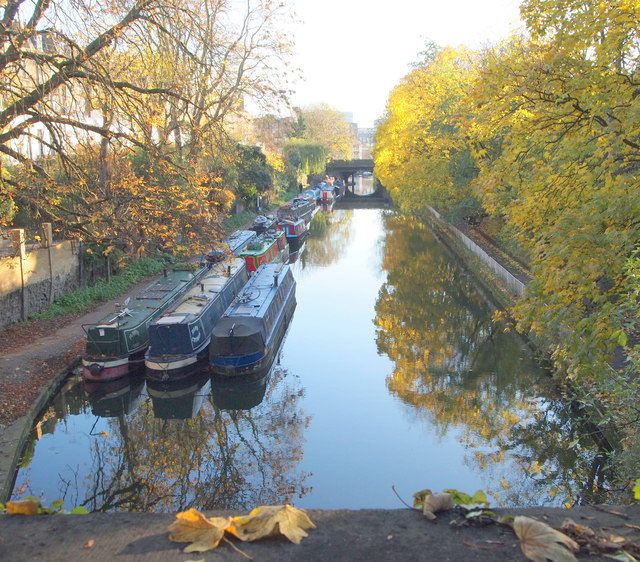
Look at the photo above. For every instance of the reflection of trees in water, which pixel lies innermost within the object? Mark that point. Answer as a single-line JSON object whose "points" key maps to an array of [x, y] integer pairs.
{"points": [[218, 459], [329, 236], [453, 365]]}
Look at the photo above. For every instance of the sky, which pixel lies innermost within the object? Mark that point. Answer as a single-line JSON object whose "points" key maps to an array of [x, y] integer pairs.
{"points": [[354, 52]]}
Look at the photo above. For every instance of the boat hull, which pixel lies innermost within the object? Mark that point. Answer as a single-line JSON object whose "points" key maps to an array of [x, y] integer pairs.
{"points": [[258, 361], [121, 338], [179, 339]]}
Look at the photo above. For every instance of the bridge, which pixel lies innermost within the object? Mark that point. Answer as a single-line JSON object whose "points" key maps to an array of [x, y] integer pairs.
{"points": [[346, 170]]}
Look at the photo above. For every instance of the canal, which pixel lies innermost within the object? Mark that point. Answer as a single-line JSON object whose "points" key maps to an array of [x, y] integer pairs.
{"points": [[392, 375]]}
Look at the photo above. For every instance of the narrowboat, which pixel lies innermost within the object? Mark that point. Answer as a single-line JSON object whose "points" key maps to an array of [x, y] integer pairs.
{"points": [[179, 337], [327, 195], [262, 223], [296, 231], [248, 336], [298, 208], [122, 337], [313, 192], [270, 246], [231, 245]]}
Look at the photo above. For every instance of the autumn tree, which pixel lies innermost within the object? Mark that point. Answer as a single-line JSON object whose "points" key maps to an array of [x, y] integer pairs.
{"points": [[558, 139], [422, 154], [163, 77], [328, 127]]}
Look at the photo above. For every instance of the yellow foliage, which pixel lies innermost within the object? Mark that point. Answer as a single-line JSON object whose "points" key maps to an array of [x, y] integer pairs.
{"points": [[205, 533], [23, 507]]}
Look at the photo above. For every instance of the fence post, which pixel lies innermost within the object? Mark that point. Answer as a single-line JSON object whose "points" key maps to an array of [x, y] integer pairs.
{"points": [[47, 239], [20, 250]]}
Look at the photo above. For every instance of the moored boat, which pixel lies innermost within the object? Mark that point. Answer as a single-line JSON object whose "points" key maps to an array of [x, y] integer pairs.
{"points": [[179, 338], [262, 223], [270, 246], [327, 195], [121, 338], [296, 231], [231, 245], [313, 192], [298, 208], [247, 337]]}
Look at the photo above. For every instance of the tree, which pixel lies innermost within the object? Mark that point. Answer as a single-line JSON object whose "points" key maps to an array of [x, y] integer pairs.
{"points": [[557, 131], [422, 154], [162, 76], [327, 126]]}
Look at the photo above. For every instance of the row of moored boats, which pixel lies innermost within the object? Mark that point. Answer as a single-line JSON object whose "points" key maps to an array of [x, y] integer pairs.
{"points": [[231, 311]]}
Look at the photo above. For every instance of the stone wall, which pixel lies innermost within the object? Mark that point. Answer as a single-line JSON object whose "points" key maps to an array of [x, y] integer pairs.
{"points": [[30, 280], [512, 283]]}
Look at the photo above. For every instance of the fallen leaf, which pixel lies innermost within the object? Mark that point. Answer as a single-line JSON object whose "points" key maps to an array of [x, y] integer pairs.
{"points": [[23, 507], [622, 556], [580, 531], [436, 502], [540, 542], [265, 521], [419, 497], [204, 533], [90, 543]]}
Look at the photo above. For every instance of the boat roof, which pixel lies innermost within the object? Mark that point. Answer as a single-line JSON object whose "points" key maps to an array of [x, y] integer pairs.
{"points": [[263, 241], [237, 240], [252, 299], [207, 288], [146, 302]]}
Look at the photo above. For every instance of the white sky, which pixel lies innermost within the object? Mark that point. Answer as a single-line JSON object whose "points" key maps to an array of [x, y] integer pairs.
{"points": [[353, 52]]}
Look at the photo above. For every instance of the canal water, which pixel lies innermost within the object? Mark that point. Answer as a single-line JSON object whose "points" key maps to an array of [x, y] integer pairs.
{"points": [[392, 379]]}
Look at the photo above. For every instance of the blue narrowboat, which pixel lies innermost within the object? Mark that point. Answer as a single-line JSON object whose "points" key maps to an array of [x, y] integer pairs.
{"points": [[247, 337], [179, 338]]}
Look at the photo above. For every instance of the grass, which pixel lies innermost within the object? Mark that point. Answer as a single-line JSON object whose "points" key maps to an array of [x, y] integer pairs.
{"points": [[82, 299]]}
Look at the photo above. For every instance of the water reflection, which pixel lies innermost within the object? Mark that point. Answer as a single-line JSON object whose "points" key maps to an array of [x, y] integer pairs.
{"points": [[329, 236], [117, 397], [241, 393], [117, 449], [456, 368], [180, 399]]}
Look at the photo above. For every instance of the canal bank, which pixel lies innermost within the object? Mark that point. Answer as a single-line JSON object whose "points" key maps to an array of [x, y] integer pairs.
{"points": [[342, 535], [403, 469]]}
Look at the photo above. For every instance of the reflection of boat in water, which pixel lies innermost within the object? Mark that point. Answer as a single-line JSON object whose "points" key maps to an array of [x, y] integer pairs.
{"points": [[328, 207], [122, 336], [110, 399], [179, 399], [239, 393], [247, 337], [180, 337], [294, 255]]}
